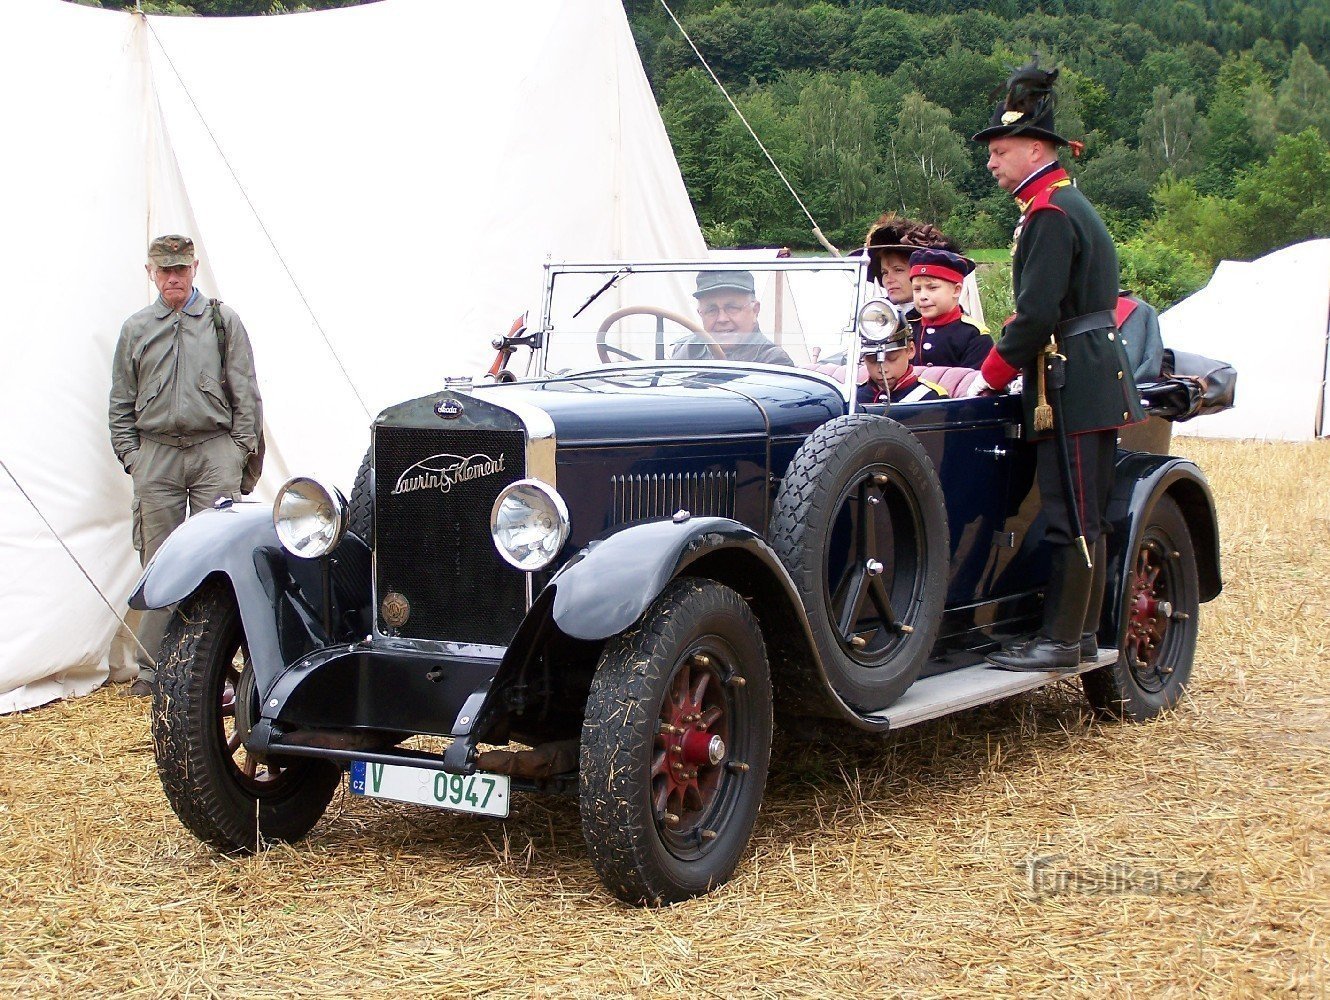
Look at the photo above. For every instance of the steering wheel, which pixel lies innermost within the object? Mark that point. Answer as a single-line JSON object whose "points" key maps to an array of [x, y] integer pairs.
{"points": [[605, 350]]}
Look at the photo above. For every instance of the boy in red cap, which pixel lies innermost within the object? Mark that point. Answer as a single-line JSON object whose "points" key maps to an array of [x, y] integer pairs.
{"points": [[944, 335]]}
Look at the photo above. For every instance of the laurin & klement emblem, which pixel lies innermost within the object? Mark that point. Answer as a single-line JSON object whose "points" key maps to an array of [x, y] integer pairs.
{"points": [[443, 472]]}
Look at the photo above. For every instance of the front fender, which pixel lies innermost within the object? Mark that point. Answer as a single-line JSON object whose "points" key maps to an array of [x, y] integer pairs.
{"points": [[288, 606], [613, 581], [1140, 481]]}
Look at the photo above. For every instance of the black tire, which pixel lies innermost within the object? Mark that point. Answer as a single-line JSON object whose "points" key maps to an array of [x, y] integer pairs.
{"points": [[658, 834], [203, 700], [360, 508], [874, 631], [1161, 604]]}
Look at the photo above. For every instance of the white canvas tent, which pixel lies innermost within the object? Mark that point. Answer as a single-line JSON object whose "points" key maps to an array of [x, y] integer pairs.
{"points": [[373, 189], [1281, 352]]}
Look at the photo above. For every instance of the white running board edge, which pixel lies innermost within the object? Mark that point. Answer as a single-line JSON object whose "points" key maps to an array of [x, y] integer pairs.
{"points": [[970, 687]]}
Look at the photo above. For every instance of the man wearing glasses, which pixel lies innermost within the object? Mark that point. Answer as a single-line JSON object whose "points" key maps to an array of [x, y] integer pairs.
{"points": [[727, 303]]}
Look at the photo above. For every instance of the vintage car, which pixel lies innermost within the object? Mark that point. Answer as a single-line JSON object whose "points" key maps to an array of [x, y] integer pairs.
{"points": [[610, 574]]}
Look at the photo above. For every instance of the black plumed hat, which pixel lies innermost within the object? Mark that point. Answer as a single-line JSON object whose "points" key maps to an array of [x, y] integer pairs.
{"points": [[1026, 110]]}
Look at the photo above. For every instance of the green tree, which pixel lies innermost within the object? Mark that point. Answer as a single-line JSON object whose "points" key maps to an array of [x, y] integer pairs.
{"points": [[1284, 200], [1111, 179], [1303, 99], [1231, 146], [1262, 116], [1199, 225], [1172, 135], [840, 155], [923, 159]]}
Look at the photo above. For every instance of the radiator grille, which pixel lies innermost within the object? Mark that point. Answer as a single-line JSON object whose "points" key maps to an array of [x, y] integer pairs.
{"points": [[703, 494], [433, 491]]}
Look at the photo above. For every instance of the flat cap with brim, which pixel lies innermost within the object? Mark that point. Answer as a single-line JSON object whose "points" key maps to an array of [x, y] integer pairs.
{"points": [[724, 281], [171, 251]]}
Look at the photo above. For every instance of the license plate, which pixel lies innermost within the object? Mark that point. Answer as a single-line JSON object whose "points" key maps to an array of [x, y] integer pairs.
{"points": [[483, 794]]}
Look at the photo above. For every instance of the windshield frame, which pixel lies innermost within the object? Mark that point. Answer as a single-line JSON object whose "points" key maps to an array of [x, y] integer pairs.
{"points": [[855, 266]]}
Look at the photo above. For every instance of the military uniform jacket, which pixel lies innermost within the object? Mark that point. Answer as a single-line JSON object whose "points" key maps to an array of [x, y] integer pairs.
{"points": [[1064, 266], [166, 379], [910, 389], [950, 340]]}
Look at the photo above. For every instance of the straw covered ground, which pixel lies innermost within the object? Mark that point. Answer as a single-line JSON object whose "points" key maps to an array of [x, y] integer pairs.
{"points": [[1023, 849]]}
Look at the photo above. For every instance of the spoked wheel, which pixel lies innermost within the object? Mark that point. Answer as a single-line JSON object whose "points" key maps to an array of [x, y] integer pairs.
{"points": [[675, 746], [1161, 603], [873, 560], [204, 705], [861, 525]]}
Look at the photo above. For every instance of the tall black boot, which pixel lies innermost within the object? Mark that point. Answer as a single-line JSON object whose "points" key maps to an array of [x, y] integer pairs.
{"points": [[1095, 607], [1058, 644]]}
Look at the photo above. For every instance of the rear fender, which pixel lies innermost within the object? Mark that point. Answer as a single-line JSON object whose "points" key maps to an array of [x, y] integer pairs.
{"points": [[1141, 480], [283, 600]]}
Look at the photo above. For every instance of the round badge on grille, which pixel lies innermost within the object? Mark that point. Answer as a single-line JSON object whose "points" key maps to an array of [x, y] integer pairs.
{"points": [[449, 409], [396, 609]]}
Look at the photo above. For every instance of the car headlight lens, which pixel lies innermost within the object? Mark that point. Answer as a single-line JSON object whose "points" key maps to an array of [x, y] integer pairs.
{"points": [[529, 523], [310, 517], [878, 320]]}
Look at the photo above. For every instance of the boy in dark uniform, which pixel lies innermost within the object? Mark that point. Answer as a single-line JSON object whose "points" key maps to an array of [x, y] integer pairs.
{"points": [[944, 335], [891, 373], [1065, 276]]}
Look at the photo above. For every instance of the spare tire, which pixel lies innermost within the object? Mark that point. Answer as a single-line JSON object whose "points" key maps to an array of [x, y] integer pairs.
{"points": [[360, 508], [861, 525]]}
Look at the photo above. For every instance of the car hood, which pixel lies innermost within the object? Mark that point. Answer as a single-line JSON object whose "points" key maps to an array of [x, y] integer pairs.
{"points": [[669, 403]]}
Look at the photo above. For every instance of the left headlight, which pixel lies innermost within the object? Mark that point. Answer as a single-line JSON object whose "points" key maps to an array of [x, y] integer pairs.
{"points": [[310, 517], [878, 320], [529, 523]]}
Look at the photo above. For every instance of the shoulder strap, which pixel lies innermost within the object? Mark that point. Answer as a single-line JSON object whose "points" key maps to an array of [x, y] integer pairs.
{"points": [[220, 326]]}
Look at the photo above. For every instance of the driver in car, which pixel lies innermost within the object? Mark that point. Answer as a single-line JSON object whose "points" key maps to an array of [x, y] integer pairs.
{"points": [[727, 303]]}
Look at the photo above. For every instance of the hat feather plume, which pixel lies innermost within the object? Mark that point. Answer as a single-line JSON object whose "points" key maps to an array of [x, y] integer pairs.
{"points": [[1030, 89]]}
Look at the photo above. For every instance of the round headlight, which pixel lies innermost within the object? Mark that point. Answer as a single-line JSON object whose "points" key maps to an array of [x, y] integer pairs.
{"points": [[309, 516], [878, 320], [529, 523]]}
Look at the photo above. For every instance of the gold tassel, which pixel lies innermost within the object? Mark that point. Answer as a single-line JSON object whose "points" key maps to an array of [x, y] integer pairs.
{"points": [[1043, 413]]}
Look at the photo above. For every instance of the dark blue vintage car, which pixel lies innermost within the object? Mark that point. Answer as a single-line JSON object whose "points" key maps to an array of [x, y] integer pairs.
{"points": [[612, 573]]}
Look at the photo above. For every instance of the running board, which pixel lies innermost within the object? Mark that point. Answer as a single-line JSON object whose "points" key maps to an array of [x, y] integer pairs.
{"points": [[970, 687]]}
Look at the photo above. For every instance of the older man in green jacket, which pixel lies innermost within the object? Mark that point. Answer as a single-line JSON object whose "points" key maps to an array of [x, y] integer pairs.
{"points": [[185, 410]]}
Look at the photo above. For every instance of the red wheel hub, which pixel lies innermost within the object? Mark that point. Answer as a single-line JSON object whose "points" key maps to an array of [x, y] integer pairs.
{"points": [[1150, 611], [690, 744]]}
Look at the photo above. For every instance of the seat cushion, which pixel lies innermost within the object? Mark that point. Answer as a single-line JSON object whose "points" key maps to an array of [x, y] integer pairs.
{"points": [[954, 379]]}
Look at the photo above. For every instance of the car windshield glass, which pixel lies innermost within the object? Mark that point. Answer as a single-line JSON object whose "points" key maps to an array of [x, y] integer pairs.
{"points": [[742, 313]]}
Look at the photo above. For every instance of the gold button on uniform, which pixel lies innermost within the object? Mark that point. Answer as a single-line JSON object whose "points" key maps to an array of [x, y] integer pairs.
{"points": [[1119, 375], [1125, 416], [1112, 337]]}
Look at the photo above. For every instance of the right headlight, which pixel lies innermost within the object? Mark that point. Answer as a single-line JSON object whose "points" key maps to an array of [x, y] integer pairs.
{"points": [[310, 517], [878, 320], [529, 522]]}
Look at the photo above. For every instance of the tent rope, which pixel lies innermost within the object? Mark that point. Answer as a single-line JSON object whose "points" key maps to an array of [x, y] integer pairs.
{"points": [[259, 219], [765, 152], [75, 559]]}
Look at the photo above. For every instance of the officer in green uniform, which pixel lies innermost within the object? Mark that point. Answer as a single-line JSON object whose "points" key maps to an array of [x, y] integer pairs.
{"points": [[183, 420], [1065, 276]]}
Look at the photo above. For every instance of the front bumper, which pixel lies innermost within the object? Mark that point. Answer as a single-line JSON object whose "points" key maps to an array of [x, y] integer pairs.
{"points": [[377, 687]]}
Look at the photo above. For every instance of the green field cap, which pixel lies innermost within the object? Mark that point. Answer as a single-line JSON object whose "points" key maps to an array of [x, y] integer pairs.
{"points": [[171, 251]]}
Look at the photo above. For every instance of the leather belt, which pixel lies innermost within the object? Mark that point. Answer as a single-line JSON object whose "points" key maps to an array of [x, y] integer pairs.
{"points": [[1105, 319], [181, 440]]}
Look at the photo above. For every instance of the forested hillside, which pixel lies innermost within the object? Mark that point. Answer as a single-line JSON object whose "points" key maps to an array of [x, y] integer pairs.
{"points": [[1206, 122]]}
